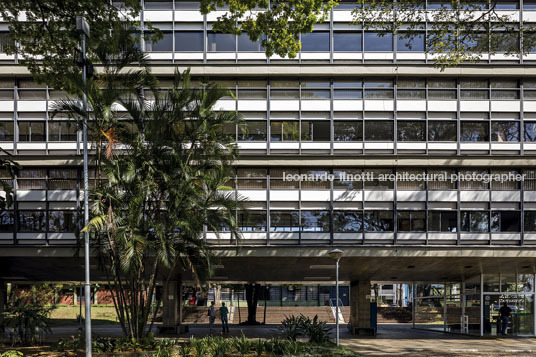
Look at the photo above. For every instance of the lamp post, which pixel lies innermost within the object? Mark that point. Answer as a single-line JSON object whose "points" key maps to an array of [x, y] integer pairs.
{"points": [[336, 254], [83, 28]]}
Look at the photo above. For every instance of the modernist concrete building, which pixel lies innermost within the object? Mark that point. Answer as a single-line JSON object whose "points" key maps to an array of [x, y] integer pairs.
{"points": [[350, 103]]}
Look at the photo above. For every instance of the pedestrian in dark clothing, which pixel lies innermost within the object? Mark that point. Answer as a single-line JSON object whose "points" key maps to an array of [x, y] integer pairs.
{"points": [[224, 317], [504, 315]]}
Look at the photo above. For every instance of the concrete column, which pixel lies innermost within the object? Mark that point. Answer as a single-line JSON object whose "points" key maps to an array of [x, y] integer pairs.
{"points": [[171, 307], [360, 304], [3, 296]]}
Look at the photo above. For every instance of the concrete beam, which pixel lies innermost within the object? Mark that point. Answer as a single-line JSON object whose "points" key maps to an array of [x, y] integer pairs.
{"points": [[312, 70]]}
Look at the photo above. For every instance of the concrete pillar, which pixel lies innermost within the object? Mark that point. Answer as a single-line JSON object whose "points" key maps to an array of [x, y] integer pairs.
{"points": [[360, 304], [3, 297], [171, 307]]}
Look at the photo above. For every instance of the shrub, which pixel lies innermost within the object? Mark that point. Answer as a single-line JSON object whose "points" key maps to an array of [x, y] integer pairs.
{"points": [[12, 353], [242, 344], [259, 347], [200, 346], [317, 331], [219, 346], [293, 327]]}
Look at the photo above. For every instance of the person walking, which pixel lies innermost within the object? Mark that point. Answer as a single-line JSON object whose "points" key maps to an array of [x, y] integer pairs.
{"points": [[211, 315], [224, 312], [504, 315]]}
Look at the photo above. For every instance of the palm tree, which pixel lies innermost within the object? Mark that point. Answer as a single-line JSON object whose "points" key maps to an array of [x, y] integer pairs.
{"points": [[156, 193], [164, 188]]}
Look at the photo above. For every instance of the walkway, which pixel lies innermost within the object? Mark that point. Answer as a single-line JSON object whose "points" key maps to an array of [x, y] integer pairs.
{"points": [[402, 340]]}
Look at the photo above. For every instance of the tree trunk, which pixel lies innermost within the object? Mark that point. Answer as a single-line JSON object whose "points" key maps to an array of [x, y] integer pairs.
{"points": [[252, 298]]}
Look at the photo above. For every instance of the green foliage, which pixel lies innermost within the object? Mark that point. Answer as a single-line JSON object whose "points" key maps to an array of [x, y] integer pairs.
{"points": [[242, 344], [277, 27], [458, 30], [259, 346], [185, 350], [277, 346], [45, 42], [200, 346], [28, 314], [294, 327], [12, 353], [317, 331], [102, 344], [219, 346]]}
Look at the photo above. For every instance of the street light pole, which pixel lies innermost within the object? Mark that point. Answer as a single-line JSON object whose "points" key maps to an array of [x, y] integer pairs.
{"points": [[83, 27], [336, 254]]}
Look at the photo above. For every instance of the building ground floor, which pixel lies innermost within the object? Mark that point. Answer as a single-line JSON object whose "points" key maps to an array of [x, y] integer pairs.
{"points": [[449, 289]]}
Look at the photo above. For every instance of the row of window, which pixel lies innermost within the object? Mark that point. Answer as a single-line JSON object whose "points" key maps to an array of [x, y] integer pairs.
{"points": [[352, 4], [384, 221], [321, 179], [35, 131], [319, 130], [384, 179], [384, 130], [57, 221], [319, 41], [347, 88], [33, 221]]}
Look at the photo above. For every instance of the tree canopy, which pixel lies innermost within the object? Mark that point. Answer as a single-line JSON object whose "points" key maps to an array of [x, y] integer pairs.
{"points": [[457, 30]]}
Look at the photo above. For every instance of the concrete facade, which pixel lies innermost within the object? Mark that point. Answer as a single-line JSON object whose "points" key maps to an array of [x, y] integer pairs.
{"points": [[349, 111]]}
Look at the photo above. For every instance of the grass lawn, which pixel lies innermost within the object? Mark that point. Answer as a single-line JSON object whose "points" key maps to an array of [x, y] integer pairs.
{"points": [[65, 315]]}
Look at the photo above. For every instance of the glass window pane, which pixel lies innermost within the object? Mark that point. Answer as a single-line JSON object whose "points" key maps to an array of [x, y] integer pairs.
{"points": [[253, 131], [32, 221], [411, 42], [315, 221], [442, 94], [348, 94], [505, 131], [246, 45], [411, 130], [158, 5], [530, 132], [62, 221], [442, 221], [221, 42], [379, 131], [348, 130], [475, 221], [346, 42], [315, 42], [411, 94], [189, 41], [347, 221], [375, 42], [315, 131], [474, 131], [6, 131], [163, 45], [378, 221], [284, 221], [7, 222], [442, 131]]}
